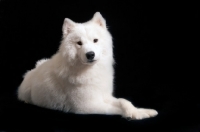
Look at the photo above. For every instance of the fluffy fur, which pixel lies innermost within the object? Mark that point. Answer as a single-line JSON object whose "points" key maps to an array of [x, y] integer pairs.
{"points": [[72, 82]]}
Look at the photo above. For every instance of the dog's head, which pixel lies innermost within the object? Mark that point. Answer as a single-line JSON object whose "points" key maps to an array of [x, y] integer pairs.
{"points": [[86, 42]]}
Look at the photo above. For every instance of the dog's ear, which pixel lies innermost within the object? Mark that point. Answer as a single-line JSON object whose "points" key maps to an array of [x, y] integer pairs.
{"points": [[97, 18], [67, 26]]}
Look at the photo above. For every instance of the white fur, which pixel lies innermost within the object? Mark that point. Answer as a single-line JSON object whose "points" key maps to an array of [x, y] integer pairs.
{"points": [[40, 62], [69, 83]]}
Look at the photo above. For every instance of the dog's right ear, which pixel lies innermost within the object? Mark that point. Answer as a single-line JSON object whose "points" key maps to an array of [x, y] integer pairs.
{"points": [[67, 26]]}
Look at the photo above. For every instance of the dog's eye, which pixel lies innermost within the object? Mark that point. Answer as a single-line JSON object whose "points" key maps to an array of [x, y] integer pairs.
{"points": [[79, 43], [95, 40]]}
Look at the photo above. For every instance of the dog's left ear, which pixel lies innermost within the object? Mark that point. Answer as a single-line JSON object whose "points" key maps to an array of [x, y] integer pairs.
{"points": [[98, 19]]}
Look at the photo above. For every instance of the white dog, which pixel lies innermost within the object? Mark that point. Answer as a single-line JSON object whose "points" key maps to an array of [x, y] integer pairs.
{"points": [[79, 77]]}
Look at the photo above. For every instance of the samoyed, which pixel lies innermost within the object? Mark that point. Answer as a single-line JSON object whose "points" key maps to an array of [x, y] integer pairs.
{"points": [[79, 77]]}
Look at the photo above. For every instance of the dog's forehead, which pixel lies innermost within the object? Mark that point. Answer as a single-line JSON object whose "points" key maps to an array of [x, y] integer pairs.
{"points": [[87, 30]]}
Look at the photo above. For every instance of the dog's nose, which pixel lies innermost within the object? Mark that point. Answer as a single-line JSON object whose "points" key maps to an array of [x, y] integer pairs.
{"points": [[90, 55]]}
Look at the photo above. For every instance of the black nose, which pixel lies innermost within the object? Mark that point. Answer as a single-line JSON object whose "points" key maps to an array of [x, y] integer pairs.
{"points": [[90, 55]]}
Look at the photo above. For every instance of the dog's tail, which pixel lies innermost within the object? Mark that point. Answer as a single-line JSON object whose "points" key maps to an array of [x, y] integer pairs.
{"points": [[40, 62]]}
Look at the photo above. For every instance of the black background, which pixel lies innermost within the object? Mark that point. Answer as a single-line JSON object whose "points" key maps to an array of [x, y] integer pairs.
{"points": [[155, 48]]}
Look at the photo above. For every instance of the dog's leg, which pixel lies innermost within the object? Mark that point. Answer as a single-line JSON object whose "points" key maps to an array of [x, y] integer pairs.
{"points": [[128, 110], [114, 106]]}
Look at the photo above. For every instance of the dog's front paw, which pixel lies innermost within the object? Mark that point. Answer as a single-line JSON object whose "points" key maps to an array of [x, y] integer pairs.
{"points": [[150, 112], [131, 112], [145, 113], [141, 114]]}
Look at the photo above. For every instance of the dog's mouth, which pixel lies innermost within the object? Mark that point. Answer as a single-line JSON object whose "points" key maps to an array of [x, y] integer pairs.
{"points": [[88, 62], [91, 61]]}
